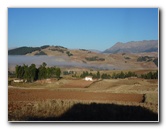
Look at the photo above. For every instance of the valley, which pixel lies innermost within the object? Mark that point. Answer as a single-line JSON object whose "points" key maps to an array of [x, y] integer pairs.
{"points": [[124, 85]]}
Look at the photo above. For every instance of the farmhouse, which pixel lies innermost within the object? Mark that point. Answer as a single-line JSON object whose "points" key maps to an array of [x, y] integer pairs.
{"points": [[88, 78], [18, 80]]}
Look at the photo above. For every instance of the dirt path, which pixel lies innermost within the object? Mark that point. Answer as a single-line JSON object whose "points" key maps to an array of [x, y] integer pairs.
{"points": [[44, 94]]}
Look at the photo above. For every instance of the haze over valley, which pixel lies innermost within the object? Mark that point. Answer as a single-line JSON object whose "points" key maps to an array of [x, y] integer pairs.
{"points": [[132, 55]]}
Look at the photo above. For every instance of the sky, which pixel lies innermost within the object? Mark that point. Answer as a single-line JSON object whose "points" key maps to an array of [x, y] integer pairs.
{"points": [[85, 28]]}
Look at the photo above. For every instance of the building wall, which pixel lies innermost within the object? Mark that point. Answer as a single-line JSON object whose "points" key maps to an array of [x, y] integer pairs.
{"points": [[18, 80], [88, 79]]}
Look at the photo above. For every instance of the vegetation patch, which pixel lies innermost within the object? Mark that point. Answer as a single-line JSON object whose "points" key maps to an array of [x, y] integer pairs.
{"points": [[68, 72], [31, 73], [86, 73], [145, 58], [150, 75], [69, 54], [40, 53], [94, 58], [25, 50], [127, 58], [58, 48], [45, 46], [148, 59]]}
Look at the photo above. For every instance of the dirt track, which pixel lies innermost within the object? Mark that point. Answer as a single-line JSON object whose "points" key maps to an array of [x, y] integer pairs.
{"points": [[44, 94]]}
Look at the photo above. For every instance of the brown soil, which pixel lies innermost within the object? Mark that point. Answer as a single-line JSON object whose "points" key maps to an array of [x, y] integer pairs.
{"points": [[77, 84], [44, 94]]}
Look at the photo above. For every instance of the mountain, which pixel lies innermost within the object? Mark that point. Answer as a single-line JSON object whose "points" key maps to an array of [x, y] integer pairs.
{"points": [[134, 47]]}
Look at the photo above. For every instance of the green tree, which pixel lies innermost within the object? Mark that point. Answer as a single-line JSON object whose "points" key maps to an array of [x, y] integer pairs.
{"points": [[49, 75], [58, 72], [122, 75], [32, 72], [113, 75], [26, 72], [20, 72], [98, 75], [44, 64], [16, 70], [42, 74]]}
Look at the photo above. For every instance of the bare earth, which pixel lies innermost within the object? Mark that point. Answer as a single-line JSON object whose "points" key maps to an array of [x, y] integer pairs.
{"points": [[43, 94], [51, 99]]}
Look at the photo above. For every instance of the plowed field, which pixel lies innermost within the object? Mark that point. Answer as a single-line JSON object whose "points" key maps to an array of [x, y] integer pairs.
{"points": [[45, 94]]}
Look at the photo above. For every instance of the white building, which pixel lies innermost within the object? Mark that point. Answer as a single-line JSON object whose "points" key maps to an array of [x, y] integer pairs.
{"points": [[18, 80], [88, 78]]}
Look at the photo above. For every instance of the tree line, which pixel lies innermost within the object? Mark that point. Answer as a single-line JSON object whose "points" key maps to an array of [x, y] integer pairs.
{"points": [[150, 75], [95, 76], [31, 73], [123, 75]]}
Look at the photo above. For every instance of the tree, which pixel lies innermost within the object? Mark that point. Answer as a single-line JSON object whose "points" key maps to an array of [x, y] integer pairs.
{"points": [[122, 75], [113, 75], [105, 76], [58, 72], [16, 70], [20, 72], [44, 64], [42, 71], [32, 72], [48, 72], [26, 71], [98, 74]]}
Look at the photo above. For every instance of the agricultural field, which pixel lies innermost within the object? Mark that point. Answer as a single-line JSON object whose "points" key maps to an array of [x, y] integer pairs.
{"points": [[129, 99]]}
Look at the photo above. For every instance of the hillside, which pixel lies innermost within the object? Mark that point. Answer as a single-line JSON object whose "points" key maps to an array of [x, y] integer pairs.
{"points": [[134, 47], [25, 50], [82, 58]]}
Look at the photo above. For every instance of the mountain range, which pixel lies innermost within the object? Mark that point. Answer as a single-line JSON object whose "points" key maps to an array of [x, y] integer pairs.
{"points": [[119, 47], [134, 47]]}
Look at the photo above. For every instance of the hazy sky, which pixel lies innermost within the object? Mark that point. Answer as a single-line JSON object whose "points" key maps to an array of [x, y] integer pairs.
{"points": [[87, 28]]}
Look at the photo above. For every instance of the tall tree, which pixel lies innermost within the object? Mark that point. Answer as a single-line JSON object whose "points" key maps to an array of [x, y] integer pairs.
{"points": [[26, 72], [58, 72], [42, 71], [98, 74], [32, 71], [16, 70]]}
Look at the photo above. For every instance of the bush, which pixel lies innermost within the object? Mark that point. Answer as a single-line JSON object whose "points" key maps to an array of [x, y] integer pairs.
{"points": [[94, 58], [40, 53], [144, 58], [69, 54]]}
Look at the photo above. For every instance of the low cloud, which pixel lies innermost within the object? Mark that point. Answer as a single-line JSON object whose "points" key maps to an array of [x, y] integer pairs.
{"points": [[52, 61]]}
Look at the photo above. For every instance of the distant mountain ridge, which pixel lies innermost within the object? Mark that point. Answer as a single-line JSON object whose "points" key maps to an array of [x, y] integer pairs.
{"points": [[134, 47], [119, 47]]}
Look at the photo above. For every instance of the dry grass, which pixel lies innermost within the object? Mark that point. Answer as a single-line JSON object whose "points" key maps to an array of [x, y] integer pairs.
{"points": [[23, 111], [18, 111], [151, 98]]}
